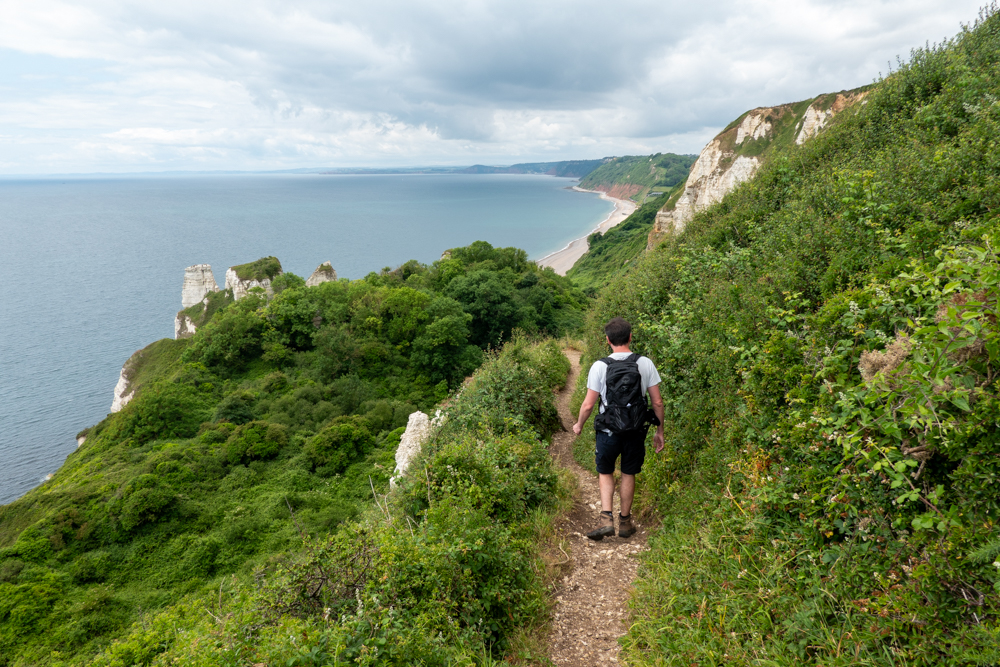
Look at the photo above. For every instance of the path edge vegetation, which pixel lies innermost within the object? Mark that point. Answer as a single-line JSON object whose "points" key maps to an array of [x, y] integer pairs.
{"points": [[828, 334]]}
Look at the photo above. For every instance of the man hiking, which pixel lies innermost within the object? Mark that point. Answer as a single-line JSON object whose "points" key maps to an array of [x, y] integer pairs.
{"points": [[620, 382]]}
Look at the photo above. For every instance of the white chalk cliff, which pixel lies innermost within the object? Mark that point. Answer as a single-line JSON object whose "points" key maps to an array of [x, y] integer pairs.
{"points": [[241, 288], [722, 164], [184, 326], [324, 273], [715, 173], [123, 392], [821, 111], [198, 282]]}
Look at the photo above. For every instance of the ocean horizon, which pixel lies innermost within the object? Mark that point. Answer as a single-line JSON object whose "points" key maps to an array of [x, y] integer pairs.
{"points": [[97, 262]]}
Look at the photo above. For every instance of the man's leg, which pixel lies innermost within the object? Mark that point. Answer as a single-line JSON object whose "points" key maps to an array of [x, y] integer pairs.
{"points": [[633, 455], [627, 492], [607, 486], [606, 451]]}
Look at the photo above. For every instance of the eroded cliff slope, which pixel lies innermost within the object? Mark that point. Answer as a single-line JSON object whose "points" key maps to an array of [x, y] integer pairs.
{"points": [[737, 152]]}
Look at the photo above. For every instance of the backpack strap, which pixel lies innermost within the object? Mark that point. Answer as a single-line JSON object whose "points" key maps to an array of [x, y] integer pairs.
{"points": [[607, 362]]}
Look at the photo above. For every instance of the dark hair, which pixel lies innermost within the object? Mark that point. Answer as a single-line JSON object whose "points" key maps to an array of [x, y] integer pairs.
{"points": [[618, 331]]}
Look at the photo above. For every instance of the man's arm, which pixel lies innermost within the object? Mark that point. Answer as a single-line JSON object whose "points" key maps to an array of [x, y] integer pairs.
{"points": [[588, 406], [657, 401]]}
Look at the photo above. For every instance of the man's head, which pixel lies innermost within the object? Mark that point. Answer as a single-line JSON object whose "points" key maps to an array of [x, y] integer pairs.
{"points": [[618, 331]]}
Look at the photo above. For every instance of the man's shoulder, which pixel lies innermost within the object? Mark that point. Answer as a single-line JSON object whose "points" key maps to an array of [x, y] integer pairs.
{"points": [[647, 362]]}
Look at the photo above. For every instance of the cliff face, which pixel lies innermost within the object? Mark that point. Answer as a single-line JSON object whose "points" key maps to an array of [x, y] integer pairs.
{"points": [[737, 152], [324, 273], [123, 392], [244, 277], [200, 298], [241, 288], [198, 282]]}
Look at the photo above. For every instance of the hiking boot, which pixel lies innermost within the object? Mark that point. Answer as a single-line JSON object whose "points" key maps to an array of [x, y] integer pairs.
{"points": [[625, 526], [605, 528]]}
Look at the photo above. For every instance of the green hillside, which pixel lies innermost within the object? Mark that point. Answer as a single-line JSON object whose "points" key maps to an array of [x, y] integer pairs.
{"points": [[829, 493], [260, 440], [611, 253], [636, 176]]}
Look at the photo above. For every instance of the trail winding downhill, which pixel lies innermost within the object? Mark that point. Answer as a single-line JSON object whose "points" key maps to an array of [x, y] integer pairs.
{"points": [[591, 599]]}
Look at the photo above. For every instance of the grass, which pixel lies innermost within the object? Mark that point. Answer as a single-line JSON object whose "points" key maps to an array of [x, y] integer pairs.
{"points": [[260, 270]]}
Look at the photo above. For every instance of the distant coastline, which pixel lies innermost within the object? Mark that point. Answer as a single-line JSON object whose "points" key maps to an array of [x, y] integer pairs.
{"points": [[561, 261]]}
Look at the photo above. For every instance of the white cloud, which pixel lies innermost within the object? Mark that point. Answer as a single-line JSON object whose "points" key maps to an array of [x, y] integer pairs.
{"points": [[259, 84]]}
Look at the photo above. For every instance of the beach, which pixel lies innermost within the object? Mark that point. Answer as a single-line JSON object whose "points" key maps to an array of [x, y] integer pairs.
{"points": [[563, 260]]}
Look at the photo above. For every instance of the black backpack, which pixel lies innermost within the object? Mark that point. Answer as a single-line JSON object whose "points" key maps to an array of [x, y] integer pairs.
{"points": [[626, 408]]}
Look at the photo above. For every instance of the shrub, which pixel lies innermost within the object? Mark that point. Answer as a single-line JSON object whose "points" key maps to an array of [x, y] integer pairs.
{"points": [[159, 411], [255, 441], [332, 449], [236, 408], [143, 500], [287, 281], [510, 392]]}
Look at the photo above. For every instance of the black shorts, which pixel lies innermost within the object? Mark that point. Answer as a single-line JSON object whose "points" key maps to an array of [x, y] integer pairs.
{"points": [[631, 446]]}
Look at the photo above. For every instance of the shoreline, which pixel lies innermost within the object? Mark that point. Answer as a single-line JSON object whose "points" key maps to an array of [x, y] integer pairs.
{"points": [[563, 260]]}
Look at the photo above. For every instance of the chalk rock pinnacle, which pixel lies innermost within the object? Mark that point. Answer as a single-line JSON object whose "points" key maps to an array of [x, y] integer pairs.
{"points": [[418, 431], [198, 282], [324, 273], [242, 287]]}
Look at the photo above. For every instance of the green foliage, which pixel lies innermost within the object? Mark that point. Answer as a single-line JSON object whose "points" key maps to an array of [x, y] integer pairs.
{"points": [[611, 253], [257, 440], [333, 448], [275, 421], [825, 336], [512, 391], [202, 312], [160, 411], [260, 270], [287, 281], [442, 572]]}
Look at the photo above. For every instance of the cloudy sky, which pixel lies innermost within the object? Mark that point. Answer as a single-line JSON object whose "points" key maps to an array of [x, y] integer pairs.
{"points": [[100, 85]]}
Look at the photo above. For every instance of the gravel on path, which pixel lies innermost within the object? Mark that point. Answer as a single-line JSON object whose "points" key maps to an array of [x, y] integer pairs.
{"points": [[591, 600]]}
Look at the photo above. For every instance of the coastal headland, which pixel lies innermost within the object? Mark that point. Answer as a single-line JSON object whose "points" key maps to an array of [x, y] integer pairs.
{"points": [[563, 260]]}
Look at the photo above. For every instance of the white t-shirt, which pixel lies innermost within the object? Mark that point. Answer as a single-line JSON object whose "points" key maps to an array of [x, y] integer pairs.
{"points": [[597, 379]]}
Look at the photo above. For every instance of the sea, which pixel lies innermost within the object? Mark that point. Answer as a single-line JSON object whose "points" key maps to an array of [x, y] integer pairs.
{"points": [[93, 266]]}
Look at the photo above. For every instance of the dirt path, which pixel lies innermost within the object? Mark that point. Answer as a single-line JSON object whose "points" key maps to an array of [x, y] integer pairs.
{"points": [[590, 611]]}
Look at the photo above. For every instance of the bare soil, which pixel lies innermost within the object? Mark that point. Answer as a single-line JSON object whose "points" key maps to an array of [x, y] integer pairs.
{"points": [[591, 599]]}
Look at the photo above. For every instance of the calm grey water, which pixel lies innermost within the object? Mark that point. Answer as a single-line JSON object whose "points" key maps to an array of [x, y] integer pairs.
{"points": [[93, 267]]}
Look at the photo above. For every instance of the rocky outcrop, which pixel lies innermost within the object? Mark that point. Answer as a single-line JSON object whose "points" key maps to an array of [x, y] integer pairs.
{"points": [[324, 273], [123, 391], [198, 282], [241, 288], [184, 326], [715, 173], [419, 429], [737, 152], [822, 110], [754, 126]]}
